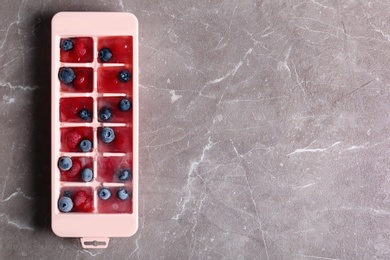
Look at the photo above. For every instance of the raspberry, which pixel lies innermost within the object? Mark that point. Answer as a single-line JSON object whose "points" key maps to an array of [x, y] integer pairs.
{"points": [[80, 49], [73, 138], [80, 82], [83, 202], [79, 199], [74, 170]]}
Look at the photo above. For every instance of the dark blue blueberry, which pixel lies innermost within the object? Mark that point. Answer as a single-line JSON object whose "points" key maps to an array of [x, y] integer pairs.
{"points": [[125, 175], [105, 54], [85, 145], [104, 194], [122, 194], [65, 204], [107, 135], [87, 174], [105, 114], [67, 193], [66, 44], [65, 163], [124, 76], [66, 75], [85, 115], [124, 104]]}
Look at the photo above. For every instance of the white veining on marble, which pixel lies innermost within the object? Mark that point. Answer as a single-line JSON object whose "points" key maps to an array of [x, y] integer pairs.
{"points": [[15, 224], [9, 85], [8, 99], [310, 150], [304, 186], [190, 178], [318, 257], [231, 72], [174, 96], [16, 193], [121, 5], [95, 252]]}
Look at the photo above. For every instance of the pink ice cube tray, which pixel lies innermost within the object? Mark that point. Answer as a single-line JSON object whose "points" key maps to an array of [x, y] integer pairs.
{"points": [[94, 163]]}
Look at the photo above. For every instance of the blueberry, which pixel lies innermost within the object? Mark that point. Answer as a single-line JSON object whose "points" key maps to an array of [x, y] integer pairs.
{"points": [[85, 115], [105, 114], [85, 145], [105, 54], [66, 44], [122, 194], [87, 174], [124, 104], [124, 76], [125, 175], [65, 163], [66, 75], [107, 135], [104, 194], [67, 193], [65, 204]]}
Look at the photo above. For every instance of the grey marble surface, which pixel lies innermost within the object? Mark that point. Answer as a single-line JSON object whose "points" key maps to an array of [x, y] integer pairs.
{"points": [[264, 130]]}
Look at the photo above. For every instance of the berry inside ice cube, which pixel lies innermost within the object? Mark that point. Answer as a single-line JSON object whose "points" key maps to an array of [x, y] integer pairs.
{"points": [[65, 204], [124, 76], [105, 114], [66, 44], [87, 175], [104, 194], [124, 104], [122, 194], [107, 135], [105, 54], [83, 202], [125, 175], [65, 163], [85, 115], [85, 146], [66, 75]]}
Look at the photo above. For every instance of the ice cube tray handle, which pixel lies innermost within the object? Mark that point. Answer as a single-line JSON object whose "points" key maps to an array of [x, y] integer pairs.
{"points": [[94, 242]]}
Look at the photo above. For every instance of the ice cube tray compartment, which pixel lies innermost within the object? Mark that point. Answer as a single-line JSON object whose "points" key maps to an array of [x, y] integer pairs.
{"points": [[83, 81], [81, 50], [70, 109], [113, 103], [83, 84], [121, 48], [74, 174]]}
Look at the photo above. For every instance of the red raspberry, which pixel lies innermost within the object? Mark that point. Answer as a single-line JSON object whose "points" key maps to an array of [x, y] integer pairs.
{"points": [[73, 138], [80, 82], [88, 205], [74, 171], [69, 108], [80, 48], [83, 202], [79, 199]]}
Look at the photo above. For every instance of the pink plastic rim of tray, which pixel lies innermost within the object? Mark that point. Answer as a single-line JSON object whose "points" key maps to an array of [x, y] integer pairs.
{"points": [[93, 228]]}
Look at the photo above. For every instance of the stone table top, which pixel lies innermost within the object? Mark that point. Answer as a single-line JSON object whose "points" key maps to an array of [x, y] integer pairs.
{"points": [[263, 130]]}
